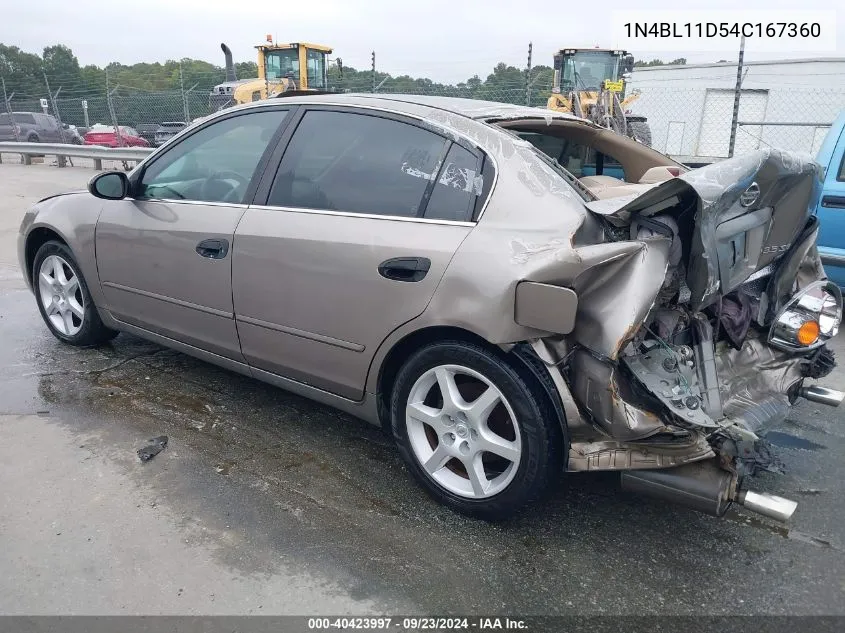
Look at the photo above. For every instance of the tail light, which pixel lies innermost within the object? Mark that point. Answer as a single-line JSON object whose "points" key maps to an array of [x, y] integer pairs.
{"points": [[675, 171], [810, 319]]}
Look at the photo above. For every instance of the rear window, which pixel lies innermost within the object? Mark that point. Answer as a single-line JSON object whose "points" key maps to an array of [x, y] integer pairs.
{"points": [[579, 160]]}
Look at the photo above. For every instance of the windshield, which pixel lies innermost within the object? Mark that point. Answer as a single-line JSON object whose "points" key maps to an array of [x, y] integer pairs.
{"points": [[316, 69], [587, 70], [277, 64]]}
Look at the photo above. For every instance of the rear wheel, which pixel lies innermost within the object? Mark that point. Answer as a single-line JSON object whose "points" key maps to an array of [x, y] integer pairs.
{"points": [[480, 438], [63, 298]]}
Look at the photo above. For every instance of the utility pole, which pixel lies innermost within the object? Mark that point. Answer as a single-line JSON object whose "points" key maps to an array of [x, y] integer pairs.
{"points": [[528, 77], [374, 71], [737, 95]]}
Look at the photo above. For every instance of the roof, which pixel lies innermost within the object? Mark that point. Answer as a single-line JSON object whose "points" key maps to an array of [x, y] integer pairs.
{"points": [[763, 62], [476, 109]]}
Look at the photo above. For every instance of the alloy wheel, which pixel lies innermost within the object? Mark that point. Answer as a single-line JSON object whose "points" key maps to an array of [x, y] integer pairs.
{"points": [[463, 431], [61, 295]]}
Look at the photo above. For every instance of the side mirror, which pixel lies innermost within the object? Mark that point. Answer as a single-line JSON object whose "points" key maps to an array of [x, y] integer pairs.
{"points": [[111, 185]]}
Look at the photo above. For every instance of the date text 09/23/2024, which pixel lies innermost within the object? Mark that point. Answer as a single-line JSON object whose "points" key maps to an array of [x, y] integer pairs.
{"points": [[418, 623]]}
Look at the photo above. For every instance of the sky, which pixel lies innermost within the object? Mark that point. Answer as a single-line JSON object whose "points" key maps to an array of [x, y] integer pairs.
{"points": [[445, 40]]}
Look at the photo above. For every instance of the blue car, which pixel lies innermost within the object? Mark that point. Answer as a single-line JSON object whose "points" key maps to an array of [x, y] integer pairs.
{"points": [[831, 207]]}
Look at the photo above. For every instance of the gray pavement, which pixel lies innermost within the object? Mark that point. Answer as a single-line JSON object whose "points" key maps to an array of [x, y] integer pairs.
{"points": [[266, 503]]}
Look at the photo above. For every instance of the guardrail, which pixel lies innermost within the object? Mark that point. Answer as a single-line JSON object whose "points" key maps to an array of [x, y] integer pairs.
{"points": [[62, 151]]}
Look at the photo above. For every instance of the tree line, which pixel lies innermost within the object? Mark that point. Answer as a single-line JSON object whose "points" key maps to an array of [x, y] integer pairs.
{"points": [[24, 74]]}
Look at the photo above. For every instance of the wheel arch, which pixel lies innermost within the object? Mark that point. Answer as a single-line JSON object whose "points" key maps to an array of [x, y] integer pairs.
{"points": [[35, 239], [520, 357]]}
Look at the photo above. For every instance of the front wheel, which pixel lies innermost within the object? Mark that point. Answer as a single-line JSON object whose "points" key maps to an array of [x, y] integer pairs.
{"points": [[475, 433], [63, 298]]}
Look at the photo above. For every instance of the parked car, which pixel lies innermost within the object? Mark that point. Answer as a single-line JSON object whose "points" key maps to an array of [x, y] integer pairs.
{"points": [[831, 207], [107, 136], [147, 131], [33, 127], [167, 131], [419, 263]]}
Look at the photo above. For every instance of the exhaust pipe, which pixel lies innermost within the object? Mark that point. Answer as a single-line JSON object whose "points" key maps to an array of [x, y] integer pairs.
{"points": [[822, 395], [230, 64], [702, 486], [776, 508], [705, 487]]}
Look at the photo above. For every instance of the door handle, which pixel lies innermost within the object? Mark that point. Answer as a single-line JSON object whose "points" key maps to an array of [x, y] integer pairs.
{"points": [[835, 202], [213, 248], [405, 268]]}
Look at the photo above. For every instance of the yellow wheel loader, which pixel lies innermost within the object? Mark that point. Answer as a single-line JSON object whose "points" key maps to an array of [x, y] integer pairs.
{"points": [[298, 67], [590, 83]]}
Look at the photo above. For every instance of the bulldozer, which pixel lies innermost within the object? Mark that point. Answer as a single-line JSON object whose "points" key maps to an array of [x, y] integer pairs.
{"points": [[294, 68], [590, 83]]}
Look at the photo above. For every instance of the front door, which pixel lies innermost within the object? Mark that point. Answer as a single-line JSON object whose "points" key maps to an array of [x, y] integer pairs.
{"points": [[358, 229], [831, 214], [164, 255]]}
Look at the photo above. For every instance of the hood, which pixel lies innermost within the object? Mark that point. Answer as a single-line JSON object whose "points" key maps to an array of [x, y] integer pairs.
{"points": [[75, 192], [736, 216]]}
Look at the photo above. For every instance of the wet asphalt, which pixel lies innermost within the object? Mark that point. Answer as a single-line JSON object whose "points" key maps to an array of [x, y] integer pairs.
{"points": [[264, 502]]}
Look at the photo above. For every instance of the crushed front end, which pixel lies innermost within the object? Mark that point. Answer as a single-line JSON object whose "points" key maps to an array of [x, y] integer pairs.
{"points": [[685, 353]]}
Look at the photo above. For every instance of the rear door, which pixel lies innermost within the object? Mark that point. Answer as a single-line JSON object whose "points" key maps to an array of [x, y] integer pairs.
{"points": [[164, 255], [361, 219], [831, 209]]}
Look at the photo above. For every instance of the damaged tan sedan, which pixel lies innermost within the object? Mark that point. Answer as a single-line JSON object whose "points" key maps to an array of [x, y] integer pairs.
{"points": [[511, 292]]}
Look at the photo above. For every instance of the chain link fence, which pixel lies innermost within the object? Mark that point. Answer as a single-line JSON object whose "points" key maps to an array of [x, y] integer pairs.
{"points": [[696, 122], [692, 124]]}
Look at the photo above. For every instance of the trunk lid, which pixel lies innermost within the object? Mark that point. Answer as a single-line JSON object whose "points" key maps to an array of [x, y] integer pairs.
{"points": [[734, 217]]}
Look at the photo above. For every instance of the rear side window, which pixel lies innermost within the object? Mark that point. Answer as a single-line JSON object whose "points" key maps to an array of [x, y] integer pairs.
{"points": [[358, 163], [841, 176], [458, 186]]}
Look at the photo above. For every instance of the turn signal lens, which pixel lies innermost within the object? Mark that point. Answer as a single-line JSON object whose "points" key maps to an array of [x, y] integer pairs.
{"points": [[808, 333]]}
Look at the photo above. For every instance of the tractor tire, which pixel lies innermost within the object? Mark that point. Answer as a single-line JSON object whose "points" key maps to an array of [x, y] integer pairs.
{"points": [[640, 130]]}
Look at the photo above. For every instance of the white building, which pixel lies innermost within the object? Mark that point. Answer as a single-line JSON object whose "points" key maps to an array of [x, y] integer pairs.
{"points": [[690, 107]]}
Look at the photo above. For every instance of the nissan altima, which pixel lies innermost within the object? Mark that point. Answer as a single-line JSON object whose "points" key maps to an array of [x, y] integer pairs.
{"points": [[511, 292]]}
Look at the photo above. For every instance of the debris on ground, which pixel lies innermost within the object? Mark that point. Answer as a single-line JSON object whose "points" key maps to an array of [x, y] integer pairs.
{"points": [[155, 446]]}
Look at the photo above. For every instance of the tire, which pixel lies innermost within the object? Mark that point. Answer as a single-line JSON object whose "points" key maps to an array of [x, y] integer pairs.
{"points": [[72, 317], [33, 138], [520, 425], [640, 130]]}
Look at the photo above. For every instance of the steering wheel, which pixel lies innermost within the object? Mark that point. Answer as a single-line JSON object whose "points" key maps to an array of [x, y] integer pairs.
{"points": [[215, 185]]}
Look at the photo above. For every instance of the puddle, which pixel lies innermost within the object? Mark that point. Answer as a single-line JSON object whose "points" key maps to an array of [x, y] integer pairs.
{"points": [[777, 529], [786, 440]]}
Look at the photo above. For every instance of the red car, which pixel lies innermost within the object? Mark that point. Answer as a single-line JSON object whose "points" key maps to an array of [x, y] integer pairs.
{"points": [[107, 136]]}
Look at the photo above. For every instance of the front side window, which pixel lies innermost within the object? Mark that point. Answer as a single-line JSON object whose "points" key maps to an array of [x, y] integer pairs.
{"points": [[216, 163], [316, 64], [841, 176], [358, 163]]}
